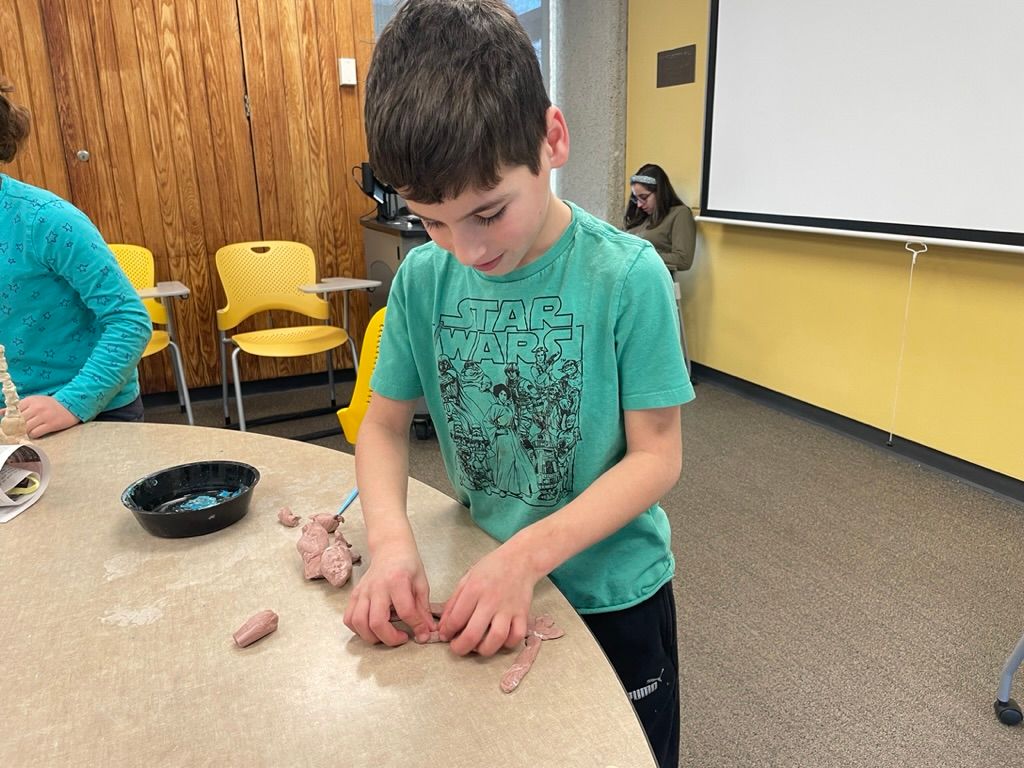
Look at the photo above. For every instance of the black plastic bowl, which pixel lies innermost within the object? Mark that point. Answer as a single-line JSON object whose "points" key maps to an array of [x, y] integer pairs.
{"points": [[192, 499]]}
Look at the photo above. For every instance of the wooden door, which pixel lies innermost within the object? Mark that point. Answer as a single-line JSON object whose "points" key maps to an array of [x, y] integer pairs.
{"points": [[307, 131], [153, 92]]}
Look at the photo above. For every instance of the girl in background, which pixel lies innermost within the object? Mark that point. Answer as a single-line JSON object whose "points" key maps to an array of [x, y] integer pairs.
{"points": [[656, 214]]}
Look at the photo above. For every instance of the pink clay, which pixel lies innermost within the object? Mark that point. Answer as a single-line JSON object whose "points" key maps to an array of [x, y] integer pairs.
{"points": [[336, 565], [286, 517], [257, 626], [329, 522]]}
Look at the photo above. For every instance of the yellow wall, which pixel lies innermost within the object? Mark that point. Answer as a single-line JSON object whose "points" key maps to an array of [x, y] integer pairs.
{"points": [[822, 318]]}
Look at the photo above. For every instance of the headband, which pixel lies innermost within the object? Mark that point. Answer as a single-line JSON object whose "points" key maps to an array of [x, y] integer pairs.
{"points": [[638, 179]]}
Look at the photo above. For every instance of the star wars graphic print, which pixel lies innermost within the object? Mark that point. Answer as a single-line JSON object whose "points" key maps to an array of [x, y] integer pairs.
{"points": [[510, 374]]}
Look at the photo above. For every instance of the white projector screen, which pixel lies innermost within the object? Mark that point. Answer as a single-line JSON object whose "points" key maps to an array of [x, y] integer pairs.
{"points": [[879, 116]]}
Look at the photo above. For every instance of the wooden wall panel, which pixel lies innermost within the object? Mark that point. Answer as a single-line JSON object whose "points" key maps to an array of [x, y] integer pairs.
{"points": [[24, 61], [154, 91], [308, 131]]}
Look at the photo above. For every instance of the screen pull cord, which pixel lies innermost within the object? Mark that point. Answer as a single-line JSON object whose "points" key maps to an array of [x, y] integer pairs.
{"points": [[916, 249]]}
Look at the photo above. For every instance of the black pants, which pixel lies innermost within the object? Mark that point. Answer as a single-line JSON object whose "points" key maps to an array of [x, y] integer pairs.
{"points": [[131, 412], [641, 644]]}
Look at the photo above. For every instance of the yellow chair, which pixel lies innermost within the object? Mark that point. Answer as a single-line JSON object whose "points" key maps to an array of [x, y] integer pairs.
{"points": [[260, 277], [137, 263], [351, 416]]}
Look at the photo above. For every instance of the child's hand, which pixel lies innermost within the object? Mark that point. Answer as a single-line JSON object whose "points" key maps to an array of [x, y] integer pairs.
{"points": [[43, 415], [490, 605], [395, 578]]}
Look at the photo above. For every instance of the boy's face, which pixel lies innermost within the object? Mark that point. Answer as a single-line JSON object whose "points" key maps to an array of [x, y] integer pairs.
{"points": [[499, 230]]}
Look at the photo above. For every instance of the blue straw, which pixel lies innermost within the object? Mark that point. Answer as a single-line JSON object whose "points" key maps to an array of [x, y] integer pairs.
{"points": [[348, 501]]}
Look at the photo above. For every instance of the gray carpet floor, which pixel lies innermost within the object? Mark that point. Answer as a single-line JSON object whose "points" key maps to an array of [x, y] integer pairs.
{"points": [[838, 605]]}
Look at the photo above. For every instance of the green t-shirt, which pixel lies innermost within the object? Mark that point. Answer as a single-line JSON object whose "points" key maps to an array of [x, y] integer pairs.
{"points": [[527, 375]]}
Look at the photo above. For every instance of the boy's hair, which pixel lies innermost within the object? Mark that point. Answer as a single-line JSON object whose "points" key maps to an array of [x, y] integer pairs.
{"points": [[454, 93], [14, 124]]}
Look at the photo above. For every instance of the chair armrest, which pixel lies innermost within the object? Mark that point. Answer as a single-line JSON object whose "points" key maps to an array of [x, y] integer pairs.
{"points": [[170, 289], [338, 284]]}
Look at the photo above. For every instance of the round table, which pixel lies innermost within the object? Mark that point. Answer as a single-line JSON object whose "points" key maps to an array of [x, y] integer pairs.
{"points": [[117, 645]]}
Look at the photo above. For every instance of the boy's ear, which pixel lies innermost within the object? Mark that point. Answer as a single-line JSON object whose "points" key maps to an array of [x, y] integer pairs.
{"points": [[556, 138]]}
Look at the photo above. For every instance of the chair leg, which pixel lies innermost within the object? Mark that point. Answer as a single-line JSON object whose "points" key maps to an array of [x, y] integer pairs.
{"points": [[682, 326], [238, 389], [179, 375], [330, 377], [224, 378], [355, 357]]}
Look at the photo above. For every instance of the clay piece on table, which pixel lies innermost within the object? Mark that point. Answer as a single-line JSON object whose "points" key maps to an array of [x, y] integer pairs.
{"points": [[339, 538], [314, 540], [514, 675], [311, 567], [544, 627], [286, 517], [256, 627], [336, 565], [538, 628], [329, 522], [12, 425], [311, 546]]}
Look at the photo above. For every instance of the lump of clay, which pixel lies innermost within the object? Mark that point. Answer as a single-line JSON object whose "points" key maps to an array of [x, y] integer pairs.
{"points": [[260, 625], [311, 567], [314, 540], [340, 540], [286, 517], [329, 522], [311, 546], [336, 565]]}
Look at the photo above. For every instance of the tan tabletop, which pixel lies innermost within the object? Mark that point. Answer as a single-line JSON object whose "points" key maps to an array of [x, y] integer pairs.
{"points": [[117, 651]]}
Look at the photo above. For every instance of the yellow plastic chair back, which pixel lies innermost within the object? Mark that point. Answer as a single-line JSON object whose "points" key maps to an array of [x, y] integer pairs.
{"points": [[351, 416], [263, 275], [137, 263]]}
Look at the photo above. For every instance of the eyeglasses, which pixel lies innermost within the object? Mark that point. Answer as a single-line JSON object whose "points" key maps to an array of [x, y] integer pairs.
{"points": [[641, 198]]}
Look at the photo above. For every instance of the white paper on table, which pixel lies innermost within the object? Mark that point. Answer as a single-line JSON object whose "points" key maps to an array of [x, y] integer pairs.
{"points": [[16, 463]]}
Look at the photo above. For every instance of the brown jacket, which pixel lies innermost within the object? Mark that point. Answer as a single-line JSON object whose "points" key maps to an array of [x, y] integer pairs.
{"points": [[673, 238]]}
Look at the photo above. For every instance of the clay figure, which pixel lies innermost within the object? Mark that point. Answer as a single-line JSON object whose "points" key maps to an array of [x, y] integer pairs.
{"points": [[260, 625], [329, 522], [286, 517], [12, 424], [336, 565]]}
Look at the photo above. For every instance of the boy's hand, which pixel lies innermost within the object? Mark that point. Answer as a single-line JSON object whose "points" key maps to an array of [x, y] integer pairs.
{"points": [[43, 415], [395, 578], [491, 604]]}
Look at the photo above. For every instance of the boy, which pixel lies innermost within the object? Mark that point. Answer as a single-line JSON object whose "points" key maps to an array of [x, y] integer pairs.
{"points": [[547, 347]]}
